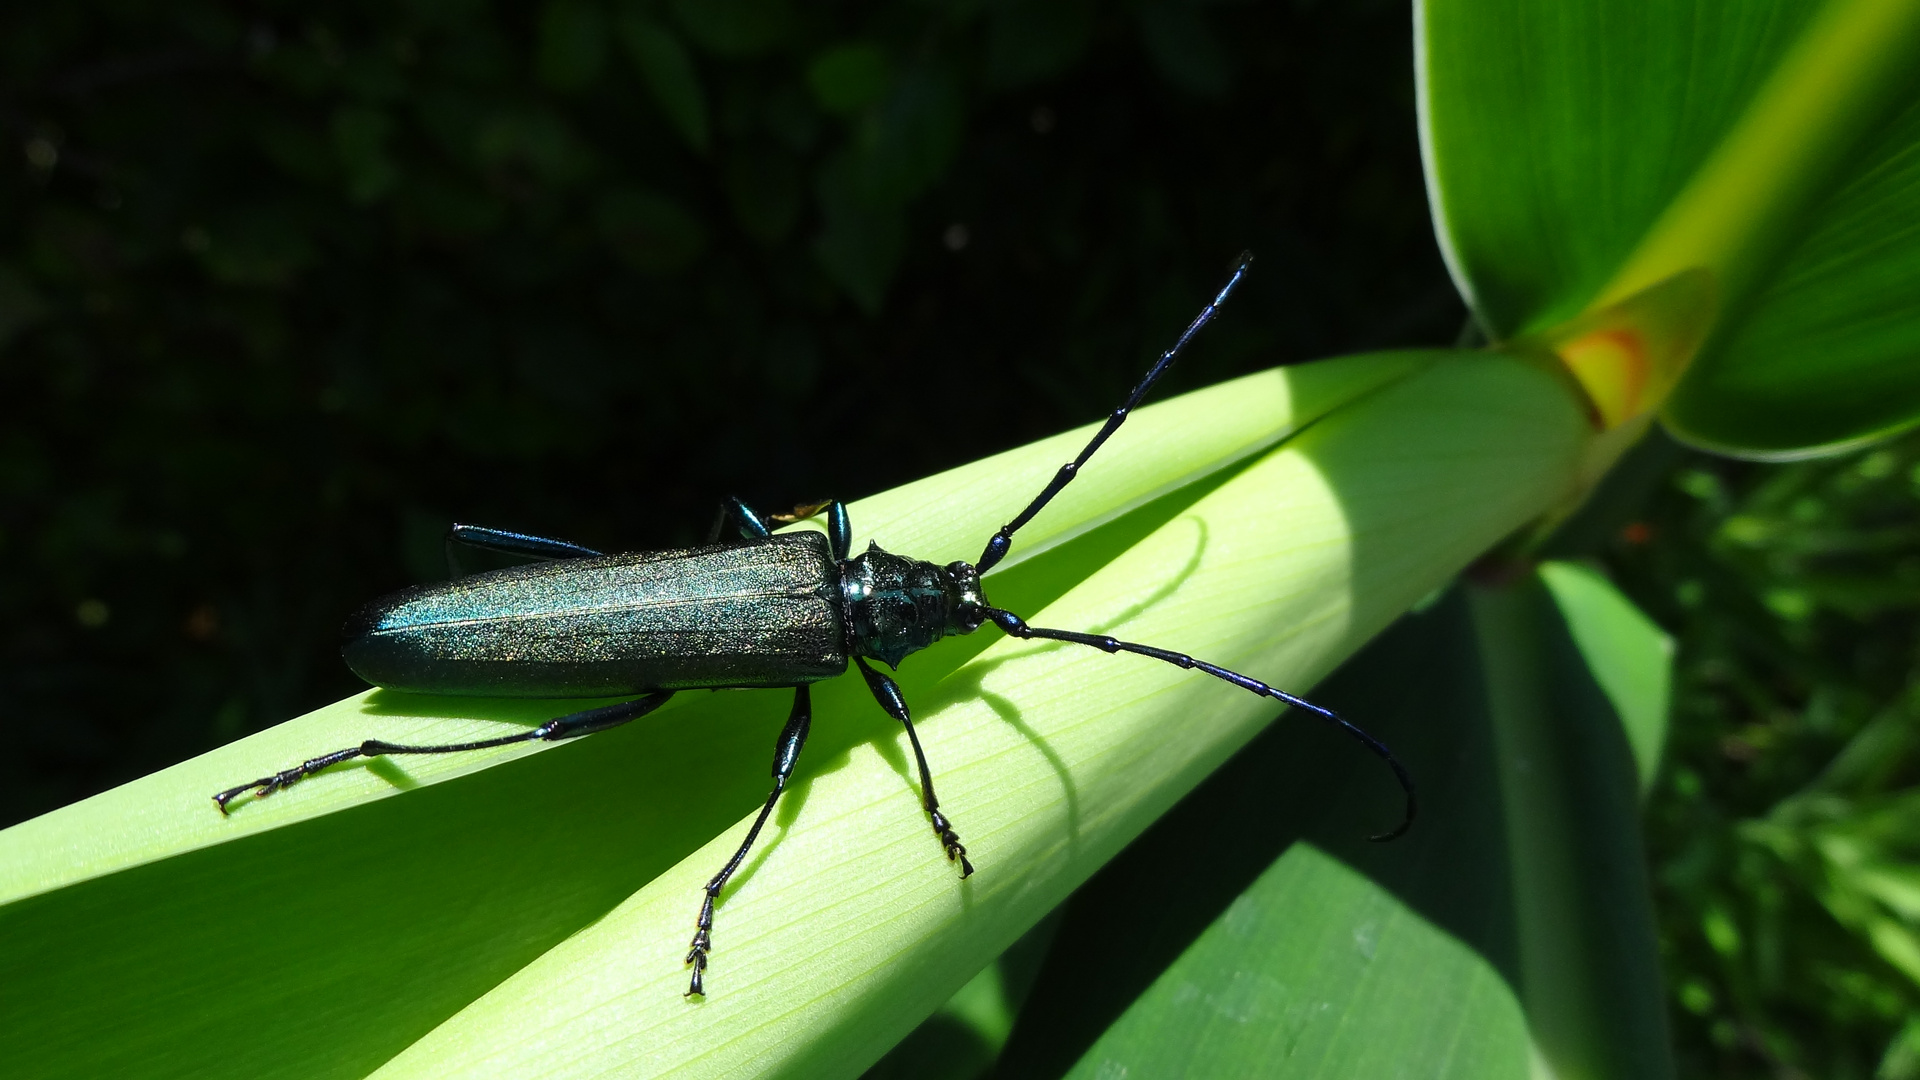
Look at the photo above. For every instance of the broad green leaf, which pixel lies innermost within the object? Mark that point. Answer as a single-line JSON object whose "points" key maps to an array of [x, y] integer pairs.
{"points": [[1630, 657], [1556, 132], [1582, 155], [319, 932], [1252, 995], [571, 50], [1826, 353], [1589, 975], [1511, 929], [670, 75]]}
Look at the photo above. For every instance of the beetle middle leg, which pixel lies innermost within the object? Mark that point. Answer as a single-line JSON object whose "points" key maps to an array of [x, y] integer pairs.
{"points": [[887, 693], [570, 726], [792, 738]]}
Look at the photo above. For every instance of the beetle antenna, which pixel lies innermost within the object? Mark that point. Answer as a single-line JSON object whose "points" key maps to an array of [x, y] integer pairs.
{"points": [[1015, 626], [1002, 541]]}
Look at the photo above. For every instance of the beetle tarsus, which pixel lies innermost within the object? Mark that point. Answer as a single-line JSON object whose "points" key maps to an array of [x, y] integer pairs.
{"points": [[261, 788], [283, 779], [956, 851], [702, 944]]}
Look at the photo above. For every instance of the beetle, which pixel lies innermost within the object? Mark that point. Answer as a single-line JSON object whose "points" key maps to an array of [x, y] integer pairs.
{"points": [[766, 611]]}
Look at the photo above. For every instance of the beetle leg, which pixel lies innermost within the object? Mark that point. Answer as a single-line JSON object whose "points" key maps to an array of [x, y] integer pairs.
{"points": [[509, 543], [792, 738], [742, 517], [570, 726], [839, 528], [887, 693]]}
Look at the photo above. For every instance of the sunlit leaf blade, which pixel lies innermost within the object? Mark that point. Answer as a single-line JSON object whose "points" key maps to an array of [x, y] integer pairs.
{"points": [[850, 927], [317, 932], [1827, 351], [1630, 657], [1513, 929], [1556, 132]]}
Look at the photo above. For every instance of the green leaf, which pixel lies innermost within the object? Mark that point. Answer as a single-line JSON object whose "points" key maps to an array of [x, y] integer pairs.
{"points": [[1029, 42], [861, 239], [1556, 132], [1630, 657], [668, 69], [848, 78], [649, 231], [1184, 47], [1510, 934], [897, 150], [1825, 356], [360, 137], [572, 48], [1252, 995], [1588, 964], [766, 189], [736, 27], [1768, 146], [320, 932]]}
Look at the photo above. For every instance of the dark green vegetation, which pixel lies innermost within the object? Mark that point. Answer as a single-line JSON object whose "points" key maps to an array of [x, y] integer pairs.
{"points": [[1784, 827], [280, 297]]}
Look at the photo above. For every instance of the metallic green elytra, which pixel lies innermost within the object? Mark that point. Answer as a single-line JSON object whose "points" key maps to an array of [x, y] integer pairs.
{"points": [[760, 615]]}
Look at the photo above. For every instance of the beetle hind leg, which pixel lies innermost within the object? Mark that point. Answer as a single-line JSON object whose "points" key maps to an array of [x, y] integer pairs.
{"points": [[792, 738], [286, 778], [570, 726]]}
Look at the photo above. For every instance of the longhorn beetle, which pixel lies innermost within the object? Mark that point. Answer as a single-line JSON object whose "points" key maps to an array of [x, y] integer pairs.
{"points": [[773, 611]]}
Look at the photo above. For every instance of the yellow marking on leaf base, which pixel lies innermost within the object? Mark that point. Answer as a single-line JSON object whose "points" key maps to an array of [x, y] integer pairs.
{"points": [[1611, 365], [1628, 356]]}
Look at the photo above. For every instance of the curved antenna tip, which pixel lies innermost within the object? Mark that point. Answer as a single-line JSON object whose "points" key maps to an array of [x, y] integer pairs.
{"points": [[1399, 830]]}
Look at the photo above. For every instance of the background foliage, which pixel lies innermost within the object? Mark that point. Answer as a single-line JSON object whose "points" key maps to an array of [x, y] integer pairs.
{"points": [[283, 294]]}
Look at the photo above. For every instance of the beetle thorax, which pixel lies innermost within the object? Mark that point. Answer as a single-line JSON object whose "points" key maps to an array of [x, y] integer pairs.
{"points": [[896, 606]]}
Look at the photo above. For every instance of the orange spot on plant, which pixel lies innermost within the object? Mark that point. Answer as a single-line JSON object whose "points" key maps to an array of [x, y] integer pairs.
{"points": [[1612, 367], [1628, 356]]}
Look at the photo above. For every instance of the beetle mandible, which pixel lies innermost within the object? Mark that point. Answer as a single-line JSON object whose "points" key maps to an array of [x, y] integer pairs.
{"points": [[772, 611]]}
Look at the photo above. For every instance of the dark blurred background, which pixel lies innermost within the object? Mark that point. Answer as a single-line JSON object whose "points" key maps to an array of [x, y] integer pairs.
{"points": [[285, 290]]}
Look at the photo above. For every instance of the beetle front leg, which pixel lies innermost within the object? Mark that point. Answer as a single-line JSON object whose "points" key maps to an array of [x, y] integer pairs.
{"points": [[753, 526], [839, 526], [792, 738], [887, 693]]}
